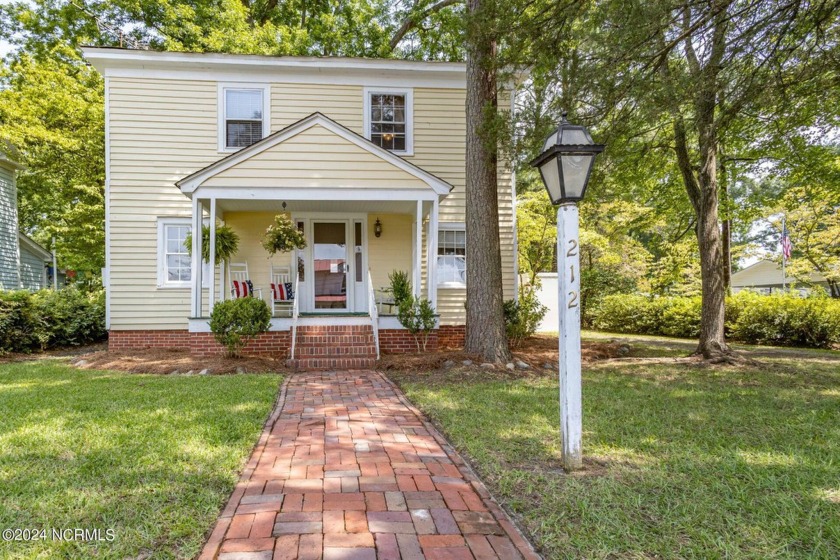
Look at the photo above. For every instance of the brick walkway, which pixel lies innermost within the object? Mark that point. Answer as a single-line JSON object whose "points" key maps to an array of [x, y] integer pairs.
{"points": [[347, 469]]}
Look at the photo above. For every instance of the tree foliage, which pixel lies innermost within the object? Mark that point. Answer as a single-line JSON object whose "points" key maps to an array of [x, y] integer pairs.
{"points": [[51, 110]]}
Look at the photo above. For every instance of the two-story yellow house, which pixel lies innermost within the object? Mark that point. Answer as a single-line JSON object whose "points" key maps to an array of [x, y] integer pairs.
{"points": [[366, 156]]}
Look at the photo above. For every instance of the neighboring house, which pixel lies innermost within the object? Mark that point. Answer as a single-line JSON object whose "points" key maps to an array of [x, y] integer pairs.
{"points": [[339, 144], [22, 261], [766, 277]]}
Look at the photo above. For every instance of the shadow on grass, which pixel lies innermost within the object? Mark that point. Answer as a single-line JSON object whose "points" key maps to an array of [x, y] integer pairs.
{"points": [[151, 457], [681, 462]]}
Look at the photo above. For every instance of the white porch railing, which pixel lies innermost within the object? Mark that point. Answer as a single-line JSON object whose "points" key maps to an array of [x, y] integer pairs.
{"points": [[374, 313], [295, 313]]}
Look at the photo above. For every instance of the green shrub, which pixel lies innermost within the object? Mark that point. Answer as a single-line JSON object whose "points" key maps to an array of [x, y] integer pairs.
{"points": [[418, 317], [71, 317], [400, 287], [522, 318], [786, 320], [781, 319], [31, 321], [21, 327], [236, 321]]}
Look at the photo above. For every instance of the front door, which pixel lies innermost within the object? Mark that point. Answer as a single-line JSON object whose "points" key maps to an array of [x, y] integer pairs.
{"points": [[330, 265]]}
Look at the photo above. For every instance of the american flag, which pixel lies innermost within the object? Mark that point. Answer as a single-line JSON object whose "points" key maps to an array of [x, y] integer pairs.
{"points": [[787, 246]]}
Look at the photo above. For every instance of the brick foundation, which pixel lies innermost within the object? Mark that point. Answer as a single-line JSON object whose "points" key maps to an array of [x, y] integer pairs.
{"points": [[452, 336], [400, 341], [275, 344], [132, 340], [312, 341]]}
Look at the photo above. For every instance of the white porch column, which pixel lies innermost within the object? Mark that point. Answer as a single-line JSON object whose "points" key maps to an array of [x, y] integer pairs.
{"points": [[195, 309], [431, 255], [212, 294], [418, 249]]}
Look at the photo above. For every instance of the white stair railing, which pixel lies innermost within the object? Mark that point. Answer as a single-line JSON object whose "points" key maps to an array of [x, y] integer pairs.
{"points": [[374, 313], [295, 309]]}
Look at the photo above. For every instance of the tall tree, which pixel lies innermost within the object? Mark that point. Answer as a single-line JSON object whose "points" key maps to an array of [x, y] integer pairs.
{"points": [[692, 78], [485, 301]]}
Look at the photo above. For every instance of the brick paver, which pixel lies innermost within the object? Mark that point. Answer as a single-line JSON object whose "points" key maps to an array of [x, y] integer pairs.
{"points": [[347, 469]]}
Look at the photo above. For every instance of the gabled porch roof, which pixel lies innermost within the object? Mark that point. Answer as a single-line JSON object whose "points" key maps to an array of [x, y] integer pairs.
{"points": [[314, 158]]}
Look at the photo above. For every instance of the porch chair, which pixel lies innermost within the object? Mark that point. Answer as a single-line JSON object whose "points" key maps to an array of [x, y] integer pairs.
{"points": [[240, 281], [282, 289]]}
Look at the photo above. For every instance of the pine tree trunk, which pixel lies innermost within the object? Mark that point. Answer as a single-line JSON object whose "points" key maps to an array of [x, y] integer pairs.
{"points": [[712, 342], [485, 318]]}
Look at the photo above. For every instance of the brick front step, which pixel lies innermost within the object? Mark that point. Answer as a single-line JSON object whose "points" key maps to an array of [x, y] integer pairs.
{"points": [[334, 347], [332, 363]]}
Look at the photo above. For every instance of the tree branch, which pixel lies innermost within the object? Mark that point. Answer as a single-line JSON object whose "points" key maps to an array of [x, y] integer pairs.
{"points": [[413, 21]]}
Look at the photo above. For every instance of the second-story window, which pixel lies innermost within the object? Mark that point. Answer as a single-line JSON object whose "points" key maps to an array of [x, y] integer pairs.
{"points": [[244, 117], [388, 120]]}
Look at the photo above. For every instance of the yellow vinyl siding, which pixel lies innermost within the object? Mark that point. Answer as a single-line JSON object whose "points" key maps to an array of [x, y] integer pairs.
{"points": [[392, 251], [161, 130], [316, 158]]}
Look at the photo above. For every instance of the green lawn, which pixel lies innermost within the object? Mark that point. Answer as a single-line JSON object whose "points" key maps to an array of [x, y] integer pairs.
{"points": [[682, 462], [153, 458]]}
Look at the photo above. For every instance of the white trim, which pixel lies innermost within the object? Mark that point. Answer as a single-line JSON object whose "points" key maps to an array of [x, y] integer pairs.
{"points": [[417, 250], [285, 323], [221, 107], [313, 194], [33, 246], [211, 300], [106, 272], [162, 223], [220, 67], [408, 93], [431, 258], [191, 183]]}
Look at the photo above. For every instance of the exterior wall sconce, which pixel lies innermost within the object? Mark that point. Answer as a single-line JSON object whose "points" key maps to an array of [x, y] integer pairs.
{"points": [[377, 228]]}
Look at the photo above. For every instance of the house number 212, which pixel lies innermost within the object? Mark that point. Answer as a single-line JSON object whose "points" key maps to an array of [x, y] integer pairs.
{"points": [[572, 252]]}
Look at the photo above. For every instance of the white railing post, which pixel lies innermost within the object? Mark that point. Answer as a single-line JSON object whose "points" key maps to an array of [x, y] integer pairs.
{"points": [[212, 294], [373, 312], [295, 308]]}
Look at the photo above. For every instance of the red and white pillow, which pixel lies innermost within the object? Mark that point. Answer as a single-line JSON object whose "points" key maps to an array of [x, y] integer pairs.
{"points": [[282, 292], [242, 288]]}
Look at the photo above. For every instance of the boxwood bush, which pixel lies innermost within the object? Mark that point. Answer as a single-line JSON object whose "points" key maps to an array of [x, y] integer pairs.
{"points": [[234, 322], [33, 321], [778, 319]]}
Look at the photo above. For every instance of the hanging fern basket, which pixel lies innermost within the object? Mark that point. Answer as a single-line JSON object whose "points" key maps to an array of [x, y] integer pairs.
{"points": [[227, 243]]}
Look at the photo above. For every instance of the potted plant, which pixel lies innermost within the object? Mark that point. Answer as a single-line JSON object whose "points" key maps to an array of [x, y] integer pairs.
{"points": [[283, 236], [227, 243]]}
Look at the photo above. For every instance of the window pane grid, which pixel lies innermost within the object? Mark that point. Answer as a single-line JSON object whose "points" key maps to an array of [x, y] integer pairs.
{"points": [[177, 259], [388, 121], [452, 261]]}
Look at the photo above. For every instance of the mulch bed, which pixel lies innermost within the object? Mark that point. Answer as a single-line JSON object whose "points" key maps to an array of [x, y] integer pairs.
{"points": [[177, 361], [540, 353]]}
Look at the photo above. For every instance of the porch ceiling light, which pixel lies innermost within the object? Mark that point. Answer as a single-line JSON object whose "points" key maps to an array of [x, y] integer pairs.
{"points": [[377, 228], [566, 162]]}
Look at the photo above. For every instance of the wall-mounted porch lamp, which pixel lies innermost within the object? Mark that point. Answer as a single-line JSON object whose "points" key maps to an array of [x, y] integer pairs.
{"points": [[565, 164], [377, 228]]}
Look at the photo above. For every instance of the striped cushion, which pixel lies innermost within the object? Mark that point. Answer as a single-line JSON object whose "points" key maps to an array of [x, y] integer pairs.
{"points": [[282, 292], [242, 288]]}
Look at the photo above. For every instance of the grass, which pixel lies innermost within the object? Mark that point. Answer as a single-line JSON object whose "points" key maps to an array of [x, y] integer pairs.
{"points": [[153, 458], [681, 461]]}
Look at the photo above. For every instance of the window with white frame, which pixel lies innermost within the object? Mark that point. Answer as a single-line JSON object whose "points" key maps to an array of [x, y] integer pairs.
{"points": [[388, 119], [174, 262], [452, 259], [243, 116]]}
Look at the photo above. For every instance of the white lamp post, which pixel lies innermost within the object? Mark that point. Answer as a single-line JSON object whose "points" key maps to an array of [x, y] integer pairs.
{"points": [[565, 165]]}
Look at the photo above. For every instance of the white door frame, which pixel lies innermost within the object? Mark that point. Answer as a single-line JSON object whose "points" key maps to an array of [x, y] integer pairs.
{"points": [[307, 300]]}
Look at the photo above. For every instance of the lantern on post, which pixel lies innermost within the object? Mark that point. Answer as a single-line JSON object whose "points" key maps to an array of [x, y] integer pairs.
{"points": [[565, 165]]}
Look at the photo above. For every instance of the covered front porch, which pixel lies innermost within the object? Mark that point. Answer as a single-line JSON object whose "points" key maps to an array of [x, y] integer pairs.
{"points": [[341, 275], [334, 185]]}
